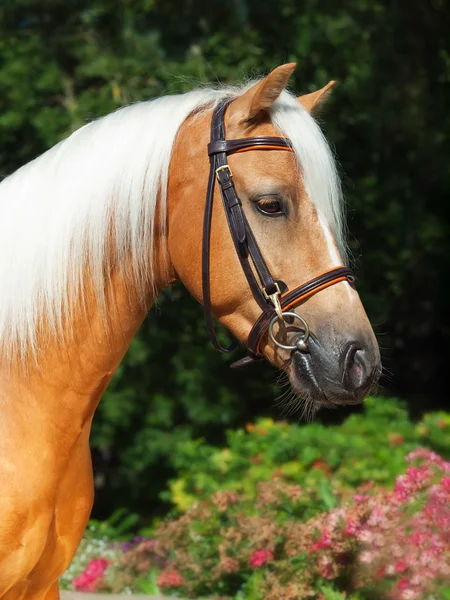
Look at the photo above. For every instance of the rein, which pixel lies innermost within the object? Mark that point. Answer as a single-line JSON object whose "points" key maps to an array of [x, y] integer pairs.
{"points": [[272, 295]]}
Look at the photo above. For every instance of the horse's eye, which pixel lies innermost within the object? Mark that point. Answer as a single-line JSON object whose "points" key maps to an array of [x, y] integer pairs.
{"points": [[270, 207]]}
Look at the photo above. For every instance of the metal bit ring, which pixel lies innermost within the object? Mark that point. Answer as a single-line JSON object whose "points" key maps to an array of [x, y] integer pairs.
{"points": [[300, 340]]}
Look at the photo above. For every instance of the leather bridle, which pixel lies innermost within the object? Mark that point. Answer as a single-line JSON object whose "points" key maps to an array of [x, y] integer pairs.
{"points": [[272, 295]]}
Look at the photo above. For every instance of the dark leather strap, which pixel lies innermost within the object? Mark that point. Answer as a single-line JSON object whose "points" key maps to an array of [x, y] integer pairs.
{"points": [[217, 132], [230, 146], [244, 241]]}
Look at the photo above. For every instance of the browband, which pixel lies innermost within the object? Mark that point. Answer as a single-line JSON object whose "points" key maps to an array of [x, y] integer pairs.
{"points": [[260, 143], [272, 295]]}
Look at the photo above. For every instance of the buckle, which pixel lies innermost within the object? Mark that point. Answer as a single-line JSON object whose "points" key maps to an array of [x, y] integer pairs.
{"points": [[277, 292], [223, 168], [274, 297]]}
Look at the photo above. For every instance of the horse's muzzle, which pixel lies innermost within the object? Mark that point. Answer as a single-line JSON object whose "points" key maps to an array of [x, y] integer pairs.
{"points": [[337, 373]]}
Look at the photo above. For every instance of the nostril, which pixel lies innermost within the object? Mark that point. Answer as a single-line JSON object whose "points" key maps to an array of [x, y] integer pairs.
{"points": [[354, 372]]}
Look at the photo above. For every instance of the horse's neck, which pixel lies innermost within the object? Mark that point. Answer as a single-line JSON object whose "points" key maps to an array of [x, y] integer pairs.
{"points": [[69, 378]]}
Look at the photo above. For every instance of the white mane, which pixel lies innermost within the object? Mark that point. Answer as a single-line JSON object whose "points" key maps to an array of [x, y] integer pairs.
{"points": [[58, 211]]}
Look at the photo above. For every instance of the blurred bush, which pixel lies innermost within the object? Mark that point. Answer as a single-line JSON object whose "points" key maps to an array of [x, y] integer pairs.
{"points": [[281, 545], [358, 511], [367, 447]]}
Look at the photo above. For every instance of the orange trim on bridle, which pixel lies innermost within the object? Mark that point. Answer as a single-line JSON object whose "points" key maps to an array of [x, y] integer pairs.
{"points": [[289, 149]]}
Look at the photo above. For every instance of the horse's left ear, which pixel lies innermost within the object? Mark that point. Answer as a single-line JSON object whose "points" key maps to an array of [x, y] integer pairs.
{"points": [[312, 102], [256, 101]]}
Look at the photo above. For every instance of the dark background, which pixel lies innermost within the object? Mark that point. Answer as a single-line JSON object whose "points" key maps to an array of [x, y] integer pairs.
{"points": [[64, 63]]}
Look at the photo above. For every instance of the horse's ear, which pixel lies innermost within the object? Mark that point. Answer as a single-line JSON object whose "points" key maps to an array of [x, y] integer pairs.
{"points": [[312, 102], [260, 97]]}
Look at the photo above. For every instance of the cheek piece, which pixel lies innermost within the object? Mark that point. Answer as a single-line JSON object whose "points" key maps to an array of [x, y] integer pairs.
{"points": [[272, 295]]}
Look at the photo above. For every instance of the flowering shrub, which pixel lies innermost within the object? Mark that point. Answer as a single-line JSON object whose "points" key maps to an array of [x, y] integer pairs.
{"points": [[356, 511], [136, 567], [367, 447], [382, 544]]}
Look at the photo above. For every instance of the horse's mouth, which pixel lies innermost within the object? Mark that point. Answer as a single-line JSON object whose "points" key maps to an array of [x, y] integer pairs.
{"points": [[315, 384]]}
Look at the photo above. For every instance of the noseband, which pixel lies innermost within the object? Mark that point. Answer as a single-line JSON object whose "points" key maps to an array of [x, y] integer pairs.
{"points": [[272, 295]]}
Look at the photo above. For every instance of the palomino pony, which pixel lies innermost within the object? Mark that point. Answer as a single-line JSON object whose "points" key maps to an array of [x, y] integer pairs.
{"points": [[95, 228]]}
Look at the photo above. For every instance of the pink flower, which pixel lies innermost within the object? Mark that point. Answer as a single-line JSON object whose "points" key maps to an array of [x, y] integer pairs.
{"points": [[88, 579], [401, 490], [350, 527], [324, 542], [417, 476], [360, 498], [403, 584], [445, 483], [170, 578], [376, 517], [260, 557], [400, 566], [83, 583], [413, 480], [418, 538], [423, 453], [429, 458]]}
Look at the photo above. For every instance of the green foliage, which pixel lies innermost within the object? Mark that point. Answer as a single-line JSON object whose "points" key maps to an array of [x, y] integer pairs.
{"points": [[148, 584], [434, 429], [118, 526], [62, 64], [331, 594], [367, 447]]}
